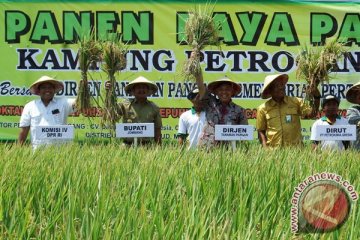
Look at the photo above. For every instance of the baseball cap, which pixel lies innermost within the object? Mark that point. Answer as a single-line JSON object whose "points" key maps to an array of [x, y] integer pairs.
{"points": [[329, 98], [193, 94]]}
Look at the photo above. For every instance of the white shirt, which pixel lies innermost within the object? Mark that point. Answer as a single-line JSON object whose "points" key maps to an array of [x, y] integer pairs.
{"points": [[329, 144], [35, 113], [192, 124]]}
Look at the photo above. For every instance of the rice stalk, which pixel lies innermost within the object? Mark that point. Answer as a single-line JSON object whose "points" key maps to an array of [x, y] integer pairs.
{"points": [[88, 54], [314, 64], [94, 191], [200, 30], [114, 60]]}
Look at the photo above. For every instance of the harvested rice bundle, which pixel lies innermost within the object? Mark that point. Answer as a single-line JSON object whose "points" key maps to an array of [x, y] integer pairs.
{"points": [[88, 54], [200, 30], [314, 64], [114, 60]]}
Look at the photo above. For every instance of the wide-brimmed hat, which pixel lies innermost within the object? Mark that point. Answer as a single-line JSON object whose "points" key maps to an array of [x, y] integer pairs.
{"points": [[270, 79], [329, 98], [215, 84], [34, 88], [352, 92], [152, 86]]}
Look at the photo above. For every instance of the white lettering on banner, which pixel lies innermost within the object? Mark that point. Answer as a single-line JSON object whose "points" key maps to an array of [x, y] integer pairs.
{"points": [[234, 132], [131, 130], [335, 133], [55, 132]]}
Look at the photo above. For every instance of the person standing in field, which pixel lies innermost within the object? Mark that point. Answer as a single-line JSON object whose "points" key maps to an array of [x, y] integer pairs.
{"points": [[330, 105], [219, 108], [46, 111], [278, 119], [139, 109], [191, 122], [353, 113]]}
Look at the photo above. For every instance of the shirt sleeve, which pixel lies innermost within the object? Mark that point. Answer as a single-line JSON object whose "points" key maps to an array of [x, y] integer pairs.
{"points": [[70, 107], [182, 126], [157, 120], [208, 100], [313, 131], [353, 116], [25, 119], [261, 119], [242, 117]]}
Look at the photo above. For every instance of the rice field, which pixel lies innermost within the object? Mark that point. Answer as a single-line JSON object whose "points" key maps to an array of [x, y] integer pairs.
{"points": [[102, 191]]}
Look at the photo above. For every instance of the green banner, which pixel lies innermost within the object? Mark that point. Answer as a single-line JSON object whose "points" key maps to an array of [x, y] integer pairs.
{"points": [[39, 38]]}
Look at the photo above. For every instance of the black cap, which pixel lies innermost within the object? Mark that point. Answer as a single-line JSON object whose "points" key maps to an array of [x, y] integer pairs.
{"points": [[193, 94], [329, 98]]}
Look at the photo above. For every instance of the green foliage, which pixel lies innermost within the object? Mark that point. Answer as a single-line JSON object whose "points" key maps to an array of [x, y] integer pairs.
{"points": [[113, 192]]}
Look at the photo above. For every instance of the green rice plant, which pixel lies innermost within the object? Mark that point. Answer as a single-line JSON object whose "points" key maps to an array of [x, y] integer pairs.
{"points": [[114, 60], [200, 30], [88, 54], [108, 191]]}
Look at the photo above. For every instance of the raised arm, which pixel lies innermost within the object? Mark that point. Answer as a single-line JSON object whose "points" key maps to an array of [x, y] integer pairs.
{"points": [[199, 77]]}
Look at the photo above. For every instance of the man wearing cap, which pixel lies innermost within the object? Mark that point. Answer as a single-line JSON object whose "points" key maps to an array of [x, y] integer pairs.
{"points": [[140, 109], [330, 106], [46, 111], [353, 113], [191, 122], [278, 119], [219, 108]]}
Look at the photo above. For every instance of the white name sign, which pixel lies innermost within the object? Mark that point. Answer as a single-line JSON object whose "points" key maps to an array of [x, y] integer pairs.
{"points": [[335, 132], [234, 132], [131, 130], [55, 132]]}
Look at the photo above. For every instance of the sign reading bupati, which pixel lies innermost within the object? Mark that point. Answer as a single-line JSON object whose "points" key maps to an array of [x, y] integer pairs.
{"points": [[132, 130], [55, 132], [337, 132], [234, 132]]}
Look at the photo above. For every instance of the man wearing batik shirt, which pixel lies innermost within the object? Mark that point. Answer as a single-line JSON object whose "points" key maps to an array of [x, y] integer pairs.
{"points": [[219, 108]]}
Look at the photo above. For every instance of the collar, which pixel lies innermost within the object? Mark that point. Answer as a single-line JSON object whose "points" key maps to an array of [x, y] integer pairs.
{"points": [[193, 111], [325, 119], [230, 104], [54, 100], [136, 101], [273, 103]]}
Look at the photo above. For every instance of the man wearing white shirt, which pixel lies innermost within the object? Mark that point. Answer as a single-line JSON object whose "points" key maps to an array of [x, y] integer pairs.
{"points": [[192, 121], [46, 111], [330, 105]]}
